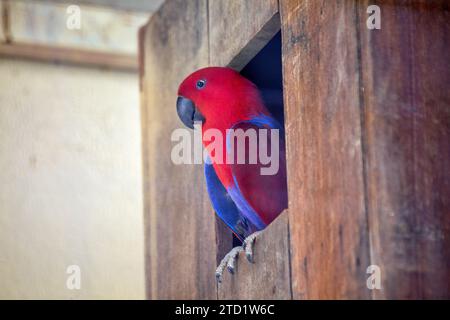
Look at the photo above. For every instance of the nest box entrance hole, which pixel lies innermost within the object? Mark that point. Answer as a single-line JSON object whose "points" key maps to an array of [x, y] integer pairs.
{"points": [[265, 71]]}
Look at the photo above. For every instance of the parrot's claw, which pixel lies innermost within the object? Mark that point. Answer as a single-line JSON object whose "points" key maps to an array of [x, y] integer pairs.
{"points": [[248, 245], [229, 261], [231, 264]]}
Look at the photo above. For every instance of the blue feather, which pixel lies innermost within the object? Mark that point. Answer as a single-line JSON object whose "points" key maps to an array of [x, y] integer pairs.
{"points": [[224, 205], [229, 204], [244, 206]]}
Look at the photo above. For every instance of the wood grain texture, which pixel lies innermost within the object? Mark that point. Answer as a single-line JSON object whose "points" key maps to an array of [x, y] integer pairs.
{"points": [[327, 216], [405, 68], [239, 29], [180, 224], [268, 277], [83, 57], [224, 239], [367, 120]]}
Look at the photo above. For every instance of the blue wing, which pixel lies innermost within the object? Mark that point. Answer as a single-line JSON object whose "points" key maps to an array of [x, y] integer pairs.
{"points": [[224, 205]]}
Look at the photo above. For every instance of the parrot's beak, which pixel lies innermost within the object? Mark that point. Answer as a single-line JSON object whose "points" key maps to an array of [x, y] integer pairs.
{"points": [[188, 113]]}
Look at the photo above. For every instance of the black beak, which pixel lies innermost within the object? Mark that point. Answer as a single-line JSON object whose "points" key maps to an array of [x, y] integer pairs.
{"points": [[187, 112]]}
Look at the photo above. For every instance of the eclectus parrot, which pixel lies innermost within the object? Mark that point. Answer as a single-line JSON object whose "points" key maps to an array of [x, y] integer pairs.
{"points": [[242, 196]]}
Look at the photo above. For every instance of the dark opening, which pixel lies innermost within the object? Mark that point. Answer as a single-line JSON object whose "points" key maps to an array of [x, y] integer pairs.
{"points": [[265, 70]]}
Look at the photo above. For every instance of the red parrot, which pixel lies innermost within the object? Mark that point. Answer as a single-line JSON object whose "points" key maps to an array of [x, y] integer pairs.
{"points": [[244, 197]]}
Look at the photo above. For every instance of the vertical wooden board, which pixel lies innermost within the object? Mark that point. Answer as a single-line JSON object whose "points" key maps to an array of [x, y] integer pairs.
{"points": [[180, 224], [224, 240], [406, 77], [268, 277], [238, 29], [2, 21], [327, 217]]}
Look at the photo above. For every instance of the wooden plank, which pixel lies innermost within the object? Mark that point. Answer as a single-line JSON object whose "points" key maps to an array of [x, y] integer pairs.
{"points": [[70, 56], [327, 217], [407, 117], [224, 240], [4, 21], [34, 30], [147, 6], [180, 223], [101, 29], [145, 160], [268, 277], [238, 30]]}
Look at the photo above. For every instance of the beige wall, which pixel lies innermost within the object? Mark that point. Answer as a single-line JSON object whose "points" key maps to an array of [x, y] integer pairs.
{"points": [[70, 182]]}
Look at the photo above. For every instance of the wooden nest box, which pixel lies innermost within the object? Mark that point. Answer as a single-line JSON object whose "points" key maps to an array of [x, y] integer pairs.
{"points": [[367, 118]]}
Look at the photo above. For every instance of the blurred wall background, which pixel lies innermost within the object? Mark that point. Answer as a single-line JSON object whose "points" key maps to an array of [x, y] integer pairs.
{"points": [[70, 191], [70, 152]]}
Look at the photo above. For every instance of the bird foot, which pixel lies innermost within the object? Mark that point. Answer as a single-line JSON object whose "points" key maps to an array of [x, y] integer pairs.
{"points": [[248, 245], [229, 261]]}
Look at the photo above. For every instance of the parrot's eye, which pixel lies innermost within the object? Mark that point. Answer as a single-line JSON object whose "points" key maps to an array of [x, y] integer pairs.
{"points": [[201, 84]]}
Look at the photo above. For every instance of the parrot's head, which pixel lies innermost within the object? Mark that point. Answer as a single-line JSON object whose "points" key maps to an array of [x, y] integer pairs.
{"points": [[218, 97]]}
